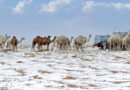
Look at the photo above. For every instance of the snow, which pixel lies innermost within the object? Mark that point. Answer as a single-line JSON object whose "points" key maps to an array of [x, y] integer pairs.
{"points": [[91, 69]]}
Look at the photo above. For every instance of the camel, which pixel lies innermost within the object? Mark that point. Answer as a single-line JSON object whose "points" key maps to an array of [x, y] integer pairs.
{"points": [[37, 40], [3, 40], [80, 41], [18, 42], [62, 43], [126, 41], [47, 41], [115, 42], [14, 43], [42, 41]]}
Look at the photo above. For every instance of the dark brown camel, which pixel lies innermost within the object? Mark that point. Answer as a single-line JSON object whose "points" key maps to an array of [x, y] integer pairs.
{"points": [[37, 40], [47, 41], [14, 43]]}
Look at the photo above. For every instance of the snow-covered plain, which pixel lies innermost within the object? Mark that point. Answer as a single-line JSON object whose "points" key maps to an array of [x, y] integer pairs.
{"points": [[91, 69]]}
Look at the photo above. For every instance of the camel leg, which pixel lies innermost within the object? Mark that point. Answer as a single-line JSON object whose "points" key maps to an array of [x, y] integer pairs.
{"points": [[81, 47], [1, 46], [13, 48], [76, 47], [127, 47], [52, 47], [110, 46], [47, 46], [16, 48]]}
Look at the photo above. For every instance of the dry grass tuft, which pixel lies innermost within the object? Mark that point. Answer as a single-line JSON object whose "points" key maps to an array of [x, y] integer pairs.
{"points": [[19, 62], [74, 56], [60, 82], [37, 77], [70, 70], [72, 86], [94, 68], [69, 78], [118, 57], [44, 72], [21, 72], [128, 63], [120, 82], [114, 72], [92, 85], [48, 86], [3, 63]]}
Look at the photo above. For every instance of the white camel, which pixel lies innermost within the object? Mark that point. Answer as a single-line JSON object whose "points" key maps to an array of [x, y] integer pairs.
{"points": [[115, 42], [62, 43], [9, 42], [3, 40], [126, 41], [80, 41]]}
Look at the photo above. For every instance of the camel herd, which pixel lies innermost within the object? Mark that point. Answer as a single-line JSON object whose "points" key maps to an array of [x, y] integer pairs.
{"points": [[115, 42], [60, 42], [11, 43]]}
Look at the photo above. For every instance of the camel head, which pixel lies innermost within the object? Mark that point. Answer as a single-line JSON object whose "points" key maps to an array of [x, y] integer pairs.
{"points": [[49, 36], [71, 39], [88, 39], [22, 38], [14, 37], [7, 37], [53, 39], [90, 36]]}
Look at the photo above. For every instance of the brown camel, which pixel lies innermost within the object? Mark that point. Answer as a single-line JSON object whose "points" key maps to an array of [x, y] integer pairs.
{"points": [[14, 43], [42, 41], [37, 40], [47, 41]]}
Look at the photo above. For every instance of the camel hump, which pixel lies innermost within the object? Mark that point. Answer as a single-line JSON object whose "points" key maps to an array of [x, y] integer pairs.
{"points": [[14, 37], [38, 36]]}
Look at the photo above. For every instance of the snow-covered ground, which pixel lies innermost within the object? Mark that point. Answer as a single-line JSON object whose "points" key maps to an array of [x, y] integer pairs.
{"points": [[91, 69]]}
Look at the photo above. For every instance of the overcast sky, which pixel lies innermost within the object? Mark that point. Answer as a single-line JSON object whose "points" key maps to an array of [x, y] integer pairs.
{"points": [[29, 18]]}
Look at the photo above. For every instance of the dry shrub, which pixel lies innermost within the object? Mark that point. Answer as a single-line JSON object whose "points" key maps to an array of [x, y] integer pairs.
{"points": [[21, 72], [92, 85], [87, 59], [72, 85], [94, 68], [60, 82], [69, 70], [118, 57], [3, 63], [48, 86], [37, 77], [19, 62], [44, 72], [114, 72], [74, 56], [120, 82], [127, 62], [69, 78]]}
